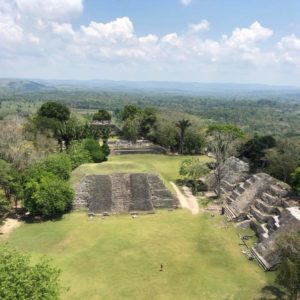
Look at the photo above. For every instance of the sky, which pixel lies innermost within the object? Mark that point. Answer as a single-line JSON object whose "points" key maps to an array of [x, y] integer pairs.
{"points": [[253, 41]]}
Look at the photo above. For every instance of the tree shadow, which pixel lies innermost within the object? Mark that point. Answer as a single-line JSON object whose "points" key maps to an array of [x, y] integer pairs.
{"points": [[272, 292], [30, 219]]}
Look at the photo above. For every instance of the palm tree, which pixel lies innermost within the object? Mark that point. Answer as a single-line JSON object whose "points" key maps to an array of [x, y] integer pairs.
{"points": [[183, 125]]}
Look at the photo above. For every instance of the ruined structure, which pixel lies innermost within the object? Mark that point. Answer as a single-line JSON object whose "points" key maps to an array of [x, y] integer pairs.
{"points": [[139, 147], [121, 193], [263, 202]]}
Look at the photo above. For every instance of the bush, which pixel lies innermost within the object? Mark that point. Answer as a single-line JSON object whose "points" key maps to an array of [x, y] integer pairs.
{"points": [[78, 155], [105, 149], [47, 195], [94, 149], [58, 164], [19, 279]]}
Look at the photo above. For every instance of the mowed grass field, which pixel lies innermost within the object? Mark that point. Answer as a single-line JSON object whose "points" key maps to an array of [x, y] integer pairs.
{"points": [[119, 257]]}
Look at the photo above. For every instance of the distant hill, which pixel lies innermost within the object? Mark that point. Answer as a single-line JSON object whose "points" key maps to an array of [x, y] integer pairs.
{"points": [[188, 88], [23, 85], [192, 88]]}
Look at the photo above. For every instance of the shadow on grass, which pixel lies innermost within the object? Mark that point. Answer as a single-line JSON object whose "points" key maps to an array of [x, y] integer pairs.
{"points": [[272, 292], [30, 219]]}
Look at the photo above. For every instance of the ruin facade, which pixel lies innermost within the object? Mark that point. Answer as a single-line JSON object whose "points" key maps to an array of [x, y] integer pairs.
{"points": [[263, 202], [121, 193]]}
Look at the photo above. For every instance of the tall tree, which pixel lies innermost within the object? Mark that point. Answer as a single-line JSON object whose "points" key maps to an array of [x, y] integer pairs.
{"points": [[221, 141], [255, 149], [55, 110], [47, 195], [183, 125], [283, 159], [148, 121], [130, 111], [102, 115]]}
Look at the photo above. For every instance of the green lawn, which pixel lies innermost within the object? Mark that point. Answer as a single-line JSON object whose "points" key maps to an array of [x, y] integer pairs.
{"points": [[119, 257]]}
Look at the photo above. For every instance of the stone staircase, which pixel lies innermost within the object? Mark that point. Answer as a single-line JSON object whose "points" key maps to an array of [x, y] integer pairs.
{"points": [[266, 212], [160, 196], [82, 195], [233, 196], [121, 193]]}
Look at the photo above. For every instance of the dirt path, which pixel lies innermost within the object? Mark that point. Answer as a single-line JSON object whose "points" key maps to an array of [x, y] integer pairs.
{"points": [[187, 200], [9, 226]]}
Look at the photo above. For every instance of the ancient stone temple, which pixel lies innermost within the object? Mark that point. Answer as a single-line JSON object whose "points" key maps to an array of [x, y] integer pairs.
{"points": [[265, 203], [121, 193]]}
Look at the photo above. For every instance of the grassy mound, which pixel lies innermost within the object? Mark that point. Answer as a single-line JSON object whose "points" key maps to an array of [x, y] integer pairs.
{"points": [[166, 166]]}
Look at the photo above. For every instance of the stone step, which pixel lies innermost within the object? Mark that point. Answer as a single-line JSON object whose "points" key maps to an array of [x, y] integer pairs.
{"points": [[235, 194], [265, 207], [259, 216], [240, 189], [229, 213], [261, 261], [271, 200], [227, 185], [252, 179], [229, 200], [247, 184]]}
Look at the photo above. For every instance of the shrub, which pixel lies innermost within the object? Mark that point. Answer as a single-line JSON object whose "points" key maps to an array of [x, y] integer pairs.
{"points": [[78, 155], [19, 279], [58, 164], [47, 195], [94, 149], [105, 149]]}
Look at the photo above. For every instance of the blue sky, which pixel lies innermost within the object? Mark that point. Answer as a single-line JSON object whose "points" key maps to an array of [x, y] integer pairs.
{"points": [[175, 40]]}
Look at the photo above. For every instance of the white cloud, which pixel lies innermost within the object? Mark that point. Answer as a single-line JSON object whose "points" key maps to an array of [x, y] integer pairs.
{"points": [[10, 31], [149, 39], [186, 2], [290, 42], [290, 47], [51, 9], [45, 36], [243, 37], [63, 29], [120, 29], [202, 26]]}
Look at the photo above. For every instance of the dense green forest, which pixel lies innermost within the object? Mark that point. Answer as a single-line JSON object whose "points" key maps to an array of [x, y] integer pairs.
{"points": [[277, 114]]}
